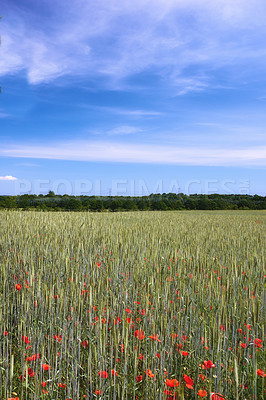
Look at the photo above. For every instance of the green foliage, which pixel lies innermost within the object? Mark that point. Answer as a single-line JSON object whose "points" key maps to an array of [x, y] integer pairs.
{"points": [[161, 202]]}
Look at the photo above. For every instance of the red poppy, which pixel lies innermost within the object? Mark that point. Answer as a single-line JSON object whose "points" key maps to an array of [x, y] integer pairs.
{"points": [[171, 383], [30, 372], [18, 286], [103, 374], [58, 338], [139, 334], [62, 385], [13, 398], [25, 339], [34, 357], [139, 378], [84, 344], [217, 396], [243, 345], [43, 384], [155, 337], [149, 373], [46, 367], [184, 353], [168, 392], [207, 365], [202, 377], [98, 391], [114, 373], [189, 381], [260, 372], [202, 393], [6, 333], [258, 343]]}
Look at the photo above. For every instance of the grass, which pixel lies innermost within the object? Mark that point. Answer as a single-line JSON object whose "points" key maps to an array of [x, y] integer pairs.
{"points": [[97, 289]]}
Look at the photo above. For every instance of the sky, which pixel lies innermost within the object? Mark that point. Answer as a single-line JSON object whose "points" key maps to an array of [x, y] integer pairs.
{"points": [[133, 97]]}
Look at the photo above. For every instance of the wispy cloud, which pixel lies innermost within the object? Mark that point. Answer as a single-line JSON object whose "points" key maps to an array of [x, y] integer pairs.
{"points": [[123, 130], [8, 178], [105, 151], [124, 111], [118, 40]]}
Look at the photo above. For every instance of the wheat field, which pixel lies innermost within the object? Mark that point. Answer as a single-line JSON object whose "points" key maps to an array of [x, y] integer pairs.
{"points": [[137, 305]]}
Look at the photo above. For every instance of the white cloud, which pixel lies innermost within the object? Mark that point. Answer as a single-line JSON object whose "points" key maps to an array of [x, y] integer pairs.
{"points": [[8, 178], [105, 151], [124, 111], [124, 130], [120, 39]]}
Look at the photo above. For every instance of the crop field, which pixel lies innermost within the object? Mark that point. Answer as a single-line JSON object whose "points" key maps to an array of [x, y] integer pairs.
{"points": [[138, 305]]}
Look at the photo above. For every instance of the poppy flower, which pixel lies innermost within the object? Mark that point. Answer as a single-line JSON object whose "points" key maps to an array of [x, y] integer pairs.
{"points": [[202, 393], [171, 383], [202, 377], [103, 374], [207, 365], [98, 392], [6, 333], [168, 392], [258, 343], [189, 381], [43, 384], [139, 378], [25, 339], [30, 372], [149, 373], [260, 372], [13, 398], [139, 334], [62, 385], [84, 343], [217, 396], [155, 337], [184, 353], [114, 373], [58, 338], [175, 335], [34, 357], [18, 286], [46, 367]]}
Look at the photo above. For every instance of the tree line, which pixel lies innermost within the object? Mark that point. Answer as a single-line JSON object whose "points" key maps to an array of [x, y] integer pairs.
{"points": [[162, 202]]}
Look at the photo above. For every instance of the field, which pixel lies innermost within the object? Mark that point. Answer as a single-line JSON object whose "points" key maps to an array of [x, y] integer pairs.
{"points": [[143, 305]]}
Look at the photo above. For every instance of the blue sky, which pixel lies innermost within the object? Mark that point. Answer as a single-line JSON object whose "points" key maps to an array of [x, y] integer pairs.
{"points": [[129, 98]]}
